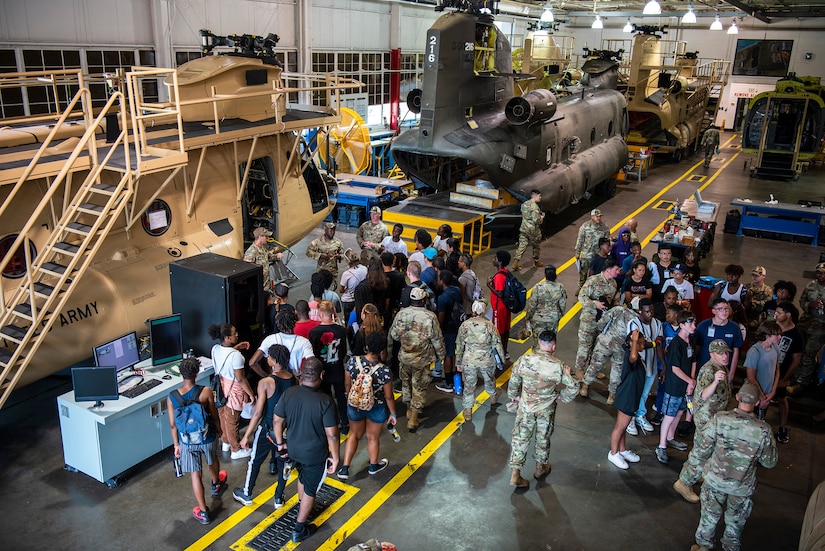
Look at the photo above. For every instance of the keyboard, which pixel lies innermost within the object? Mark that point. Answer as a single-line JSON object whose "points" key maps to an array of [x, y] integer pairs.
{"points": [[137, 390]]}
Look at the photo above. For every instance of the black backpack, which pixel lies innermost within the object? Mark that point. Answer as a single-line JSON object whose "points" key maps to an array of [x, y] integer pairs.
{"points": [[514, 294], [457, 313]]}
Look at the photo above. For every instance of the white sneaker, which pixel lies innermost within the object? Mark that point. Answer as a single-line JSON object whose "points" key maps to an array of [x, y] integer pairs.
{"points": [[644, 424], [617, 459], [241, 453], [225, 447], [630, 456], [631, 429]]}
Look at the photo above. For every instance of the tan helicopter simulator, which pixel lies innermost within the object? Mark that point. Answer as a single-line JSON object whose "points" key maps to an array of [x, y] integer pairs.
{"points": [[97, 202]]}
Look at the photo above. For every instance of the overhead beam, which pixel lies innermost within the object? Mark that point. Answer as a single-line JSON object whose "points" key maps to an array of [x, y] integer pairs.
{"points": [[749, 10]]}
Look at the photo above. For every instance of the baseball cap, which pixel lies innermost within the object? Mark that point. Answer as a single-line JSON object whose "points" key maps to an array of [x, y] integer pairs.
{"points": [[595, 212], [261, 231], [718, 346], [329, 226], [429, 253], [376, 210], [748, 394], [418, 294], [679, 268], [820, 267], [760, 270]]}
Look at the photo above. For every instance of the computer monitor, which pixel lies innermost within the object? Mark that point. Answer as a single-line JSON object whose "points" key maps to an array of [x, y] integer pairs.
{"points": [[166, 336], [122, 353], [93, 384]]}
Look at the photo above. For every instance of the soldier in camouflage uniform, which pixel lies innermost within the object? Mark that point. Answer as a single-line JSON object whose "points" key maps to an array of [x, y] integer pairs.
{"points": [[530, 230], [537, 380], [474, 345], [546, 304], [612, 334], [812, 303], [328, 250], [419, 333], [592, 296], [761, 293], [587, 243], [731, 446], [261, 255], [370, 234], [711, 395]]}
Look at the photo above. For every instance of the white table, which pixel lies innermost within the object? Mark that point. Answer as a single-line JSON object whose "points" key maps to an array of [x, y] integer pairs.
{"points": [[104, 442]]}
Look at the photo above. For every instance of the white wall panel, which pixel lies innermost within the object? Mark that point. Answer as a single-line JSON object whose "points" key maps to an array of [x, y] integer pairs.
{"points": [[224, 17]]}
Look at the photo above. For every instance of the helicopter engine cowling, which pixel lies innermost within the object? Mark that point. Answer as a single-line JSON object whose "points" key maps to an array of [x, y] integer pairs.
{"points": [[535, 106]]}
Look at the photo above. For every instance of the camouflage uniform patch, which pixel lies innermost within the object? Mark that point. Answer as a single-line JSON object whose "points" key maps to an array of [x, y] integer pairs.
{"points": [[530, 230], [421, 344], [333, 248], [593, 288], [587, 244], [612, 334], [374, 233], [477, 337], [815, 334], [262, 257], [545, 307]]}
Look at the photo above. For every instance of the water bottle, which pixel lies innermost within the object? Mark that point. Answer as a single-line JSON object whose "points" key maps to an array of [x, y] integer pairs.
{"points": [[689, 403], [394, 433], [497, 359], [287, 469], [457, 383], [177, 466]]}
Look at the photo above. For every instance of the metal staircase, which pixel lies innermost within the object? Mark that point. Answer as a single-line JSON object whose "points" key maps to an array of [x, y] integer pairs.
{"points": [[88, 214]]}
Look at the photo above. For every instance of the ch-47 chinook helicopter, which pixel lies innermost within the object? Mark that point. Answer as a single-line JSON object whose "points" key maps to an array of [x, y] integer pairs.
{"points": [[97, 203], [473, 126]]}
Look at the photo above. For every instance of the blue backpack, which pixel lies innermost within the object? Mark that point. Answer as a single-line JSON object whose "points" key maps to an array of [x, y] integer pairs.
{"points": [[190, 417]]}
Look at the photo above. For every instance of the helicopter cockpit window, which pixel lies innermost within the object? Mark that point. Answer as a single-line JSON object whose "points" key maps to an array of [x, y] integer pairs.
{"points": [[157, 218], [17, 265], [485, 48]]}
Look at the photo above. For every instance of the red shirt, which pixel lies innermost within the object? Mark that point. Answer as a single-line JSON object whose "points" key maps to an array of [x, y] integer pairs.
{"points": [[303, 327]]}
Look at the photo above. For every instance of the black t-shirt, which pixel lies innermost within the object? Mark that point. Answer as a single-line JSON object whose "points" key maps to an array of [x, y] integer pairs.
{"points": [[660, 311], [307, 412], [597, 263], [397, 284], [792, 342], [637, 289], [448, 298], [680, 354], [358, 343], [329, 344]]}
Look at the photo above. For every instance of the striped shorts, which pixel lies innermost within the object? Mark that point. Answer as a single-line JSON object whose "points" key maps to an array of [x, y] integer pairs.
{"points": [[190, 455]]}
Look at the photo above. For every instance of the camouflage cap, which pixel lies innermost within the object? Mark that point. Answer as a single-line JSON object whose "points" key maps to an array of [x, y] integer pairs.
{"points": [[595, 212], [759, 270], [820, 267], [748, 393], [329, 226], [375, 210], [261, 231], [718, 346], [418, 294]]}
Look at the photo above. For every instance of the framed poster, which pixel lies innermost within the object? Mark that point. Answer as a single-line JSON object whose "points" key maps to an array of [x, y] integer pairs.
{"points": [[764, 58]]}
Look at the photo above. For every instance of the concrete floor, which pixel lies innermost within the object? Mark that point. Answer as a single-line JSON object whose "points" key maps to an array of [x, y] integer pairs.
{"points": [[447, 485]]}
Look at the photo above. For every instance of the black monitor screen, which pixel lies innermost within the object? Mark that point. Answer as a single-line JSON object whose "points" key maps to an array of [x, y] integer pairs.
{"points": [[93, 384], [167, 339], [121, 353]]}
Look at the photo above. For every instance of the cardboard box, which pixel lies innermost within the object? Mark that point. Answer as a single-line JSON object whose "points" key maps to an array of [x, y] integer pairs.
{"points": [[688, 240]]}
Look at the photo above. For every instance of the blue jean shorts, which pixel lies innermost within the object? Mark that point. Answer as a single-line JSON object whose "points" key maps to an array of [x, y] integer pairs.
{"points": [[378, 414], [672, 405]]}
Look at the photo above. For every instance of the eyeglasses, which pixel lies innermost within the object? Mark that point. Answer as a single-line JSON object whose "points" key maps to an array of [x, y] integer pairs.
{"points": [[690, 320], [721, 309]]}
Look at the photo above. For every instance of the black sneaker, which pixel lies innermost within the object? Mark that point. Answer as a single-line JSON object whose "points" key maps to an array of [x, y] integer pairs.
{"points": [[782, 436], [444, 387], [661, 456], [376, 468], [273, 468], [279, 502], [657, 419], [344, 430], [308, 530], [343, 472], [241, 497]]}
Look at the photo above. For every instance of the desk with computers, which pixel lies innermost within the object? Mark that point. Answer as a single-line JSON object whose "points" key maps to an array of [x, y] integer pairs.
{"points": [[104, 439]]}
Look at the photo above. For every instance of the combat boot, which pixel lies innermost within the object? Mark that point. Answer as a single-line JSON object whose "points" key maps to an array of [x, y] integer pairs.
{"points": [[611, 397], [579, 376], [542, 469], [539, 264], [468, 414], [412, 420], [516, 267], [517, 481], [585, 390], [697, 547], [685, 491]]}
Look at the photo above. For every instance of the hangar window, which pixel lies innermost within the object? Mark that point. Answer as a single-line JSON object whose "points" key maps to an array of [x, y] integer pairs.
{"points": [[371, 68], [17, 264], [157, 218]]}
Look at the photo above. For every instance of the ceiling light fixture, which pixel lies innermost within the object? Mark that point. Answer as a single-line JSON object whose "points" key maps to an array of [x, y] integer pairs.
{"points": [[733, 29], [547, 15], [652, 8], [716, 25], [689, 17], [597, 24], [628, 27]]}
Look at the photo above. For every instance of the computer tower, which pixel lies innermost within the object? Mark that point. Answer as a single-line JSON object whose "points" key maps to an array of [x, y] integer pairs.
{"points": [[210, 288]]}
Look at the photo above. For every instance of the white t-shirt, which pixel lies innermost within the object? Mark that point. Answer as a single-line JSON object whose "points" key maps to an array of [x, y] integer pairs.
{"points": [[298, 346], [391, 246], [226, 360], [350, 280], [440, 244], [419, 257], [685, 289]]}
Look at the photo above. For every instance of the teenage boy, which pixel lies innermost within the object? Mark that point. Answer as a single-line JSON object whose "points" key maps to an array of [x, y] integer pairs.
{"points": [[190, 454], [669, 330], [719, 327], [791, 347], [679, 381], [682, 286]]}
